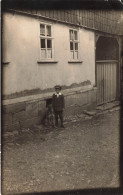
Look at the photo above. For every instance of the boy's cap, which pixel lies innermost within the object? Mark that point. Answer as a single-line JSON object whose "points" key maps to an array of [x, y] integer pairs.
{"points": [[58, 87]]}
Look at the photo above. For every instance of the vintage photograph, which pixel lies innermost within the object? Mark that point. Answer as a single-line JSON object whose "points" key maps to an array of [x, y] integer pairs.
{"points": [[61, 98]]}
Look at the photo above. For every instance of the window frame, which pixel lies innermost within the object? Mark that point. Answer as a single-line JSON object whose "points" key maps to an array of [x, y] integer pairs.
{"points": [[45, 37], [74, 42]]}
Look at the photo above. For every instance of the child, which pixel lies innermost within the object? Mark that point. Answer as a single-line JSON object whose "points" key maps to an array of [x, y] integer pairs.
{"points": [[58, 105]]}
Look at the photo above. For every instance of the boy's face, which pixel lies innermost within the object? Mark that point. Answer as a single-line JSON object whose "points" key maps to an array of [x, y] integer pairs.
{"points": [[57, 90]]}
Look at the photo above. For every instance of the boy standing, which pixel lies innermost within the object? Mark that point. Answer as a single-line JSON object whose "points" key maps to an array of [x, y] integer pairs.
{"points": [[58, 105]]}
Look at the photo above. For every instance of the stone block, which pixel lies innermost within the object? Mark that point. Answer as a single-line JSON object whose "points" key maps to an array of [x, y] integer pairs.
{"points": [[89, 97], [81, 98], [76, 99], [42, 105], [41, 114], [13, 108], [31, 109], [84, 98], [31, 122], [69, 100], [76, 103], [92, 96], [20, 116], [73, 110], [41, 108]]}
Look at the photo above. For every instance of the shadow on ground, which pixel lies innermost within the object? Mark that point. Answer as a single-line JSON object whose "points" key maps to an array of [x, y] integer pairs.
{"points": [[98, 191]]}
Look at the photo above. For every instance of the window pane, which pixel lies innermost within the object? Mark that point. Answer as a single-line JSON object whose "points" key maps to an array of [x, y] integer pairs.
{"points": [[75, 35], [71, 55], [49, 53], [71, 45], [43, 43], [76, 55], [49, 31], [43, 53], [42, 29], [76, 46], [49, 43], [71, 35]]}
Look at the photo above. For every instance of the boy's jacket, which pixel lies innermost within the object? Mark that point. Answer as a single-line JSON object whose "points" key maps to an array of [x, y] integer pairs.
{"points": [[58, 102]]}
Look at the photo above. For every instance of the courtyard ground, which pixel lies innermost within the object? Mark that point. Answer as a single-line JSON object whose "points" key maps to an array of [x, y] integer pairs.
{"points": [[83, 155]]}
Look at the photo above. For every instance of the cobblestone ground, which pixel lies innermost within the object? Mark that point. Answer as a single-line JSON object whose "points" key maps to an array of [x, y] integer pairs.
{"points": [[83, 155]]}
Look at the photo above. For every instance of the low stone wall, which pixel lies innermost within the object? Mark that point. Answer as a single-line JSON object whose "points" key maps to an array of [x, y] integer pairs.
{"points": [[78, 102], [17, 115]]}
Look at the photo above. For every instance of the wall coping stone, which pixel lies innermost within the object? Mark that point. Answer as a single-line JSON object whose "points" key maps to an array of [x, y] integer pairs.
{"points": [[47, 95]]}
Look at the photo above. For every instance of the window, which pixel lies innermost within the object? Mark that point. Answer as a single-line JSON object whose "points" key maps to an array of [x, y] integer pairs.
{"points": [[74, 44], [46, 51]]}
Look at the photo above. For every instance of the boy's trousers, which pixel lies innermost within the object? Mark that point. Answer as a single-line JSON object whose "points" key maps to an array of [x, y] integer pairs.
{"points": [[60, 115]]}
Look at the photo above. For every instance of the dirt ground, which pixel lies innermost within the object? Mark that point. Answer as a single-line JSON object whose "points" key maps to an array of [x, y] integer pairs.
{"points": [[83, 155]]}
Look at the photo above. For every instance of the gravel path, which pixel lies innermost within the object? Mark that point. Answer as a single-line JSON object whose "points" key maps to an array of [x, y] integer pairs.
{"points": [[83, 155]]}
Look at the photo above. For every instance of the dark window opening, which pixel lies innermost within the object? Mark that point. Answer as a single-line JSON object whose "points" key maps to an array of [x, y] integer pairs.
{"points": [[43, 43], [71, 45], [49, 43], [76, 46]]}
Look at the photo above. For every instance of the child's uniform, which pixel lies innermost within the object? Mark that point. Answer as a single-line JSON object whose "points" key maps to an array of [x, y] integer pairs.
{"points": [[58, 106]]}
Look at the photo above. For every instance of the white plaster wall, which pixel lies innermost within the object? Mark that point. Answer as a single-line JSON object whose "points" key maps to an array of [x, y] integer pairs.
{"points": [[21, 38]]}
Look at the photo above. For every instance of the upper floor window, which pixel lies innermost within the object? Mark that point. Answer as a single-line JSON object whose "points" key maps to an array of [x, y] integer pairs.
{"points": [[46, 45], [73, 44]]}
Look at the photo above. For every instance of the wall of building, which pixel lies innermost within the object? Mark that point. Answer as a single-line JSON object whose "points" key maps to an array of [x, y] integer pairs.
{"points": [[22, 49], [23, 113], [22, 70]]}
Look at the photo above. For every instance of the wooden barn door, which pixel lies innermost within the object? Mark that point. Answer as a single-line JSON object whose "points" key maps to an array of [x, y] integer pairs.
{"points": [[106, 81], [107, 56]]}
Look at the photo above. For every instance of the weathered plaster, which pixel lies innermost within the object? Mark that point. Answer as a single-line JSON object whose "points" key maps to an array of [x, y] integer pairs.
{"points": [[22, 50], [39, 91]]}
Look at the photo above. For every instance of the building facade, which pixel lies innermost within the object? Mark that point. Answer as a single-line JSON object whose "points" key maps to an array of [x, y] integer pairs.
{"points": [[77, 49]]}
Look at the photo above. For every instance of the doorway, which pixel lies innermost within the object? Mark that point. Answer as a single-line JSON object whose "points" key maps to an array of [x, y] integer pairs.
{"points": [[106, 69]]}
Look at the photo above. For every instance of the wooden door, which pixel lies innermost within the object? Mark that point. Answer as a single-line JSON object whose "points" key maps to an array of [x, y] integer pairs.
{"points": [[106, 76]]}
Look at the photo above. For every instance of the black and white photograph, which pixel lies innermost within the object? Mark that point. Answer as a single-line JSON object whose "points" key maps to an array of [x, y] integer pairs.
{"points": [[62, 84]]}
